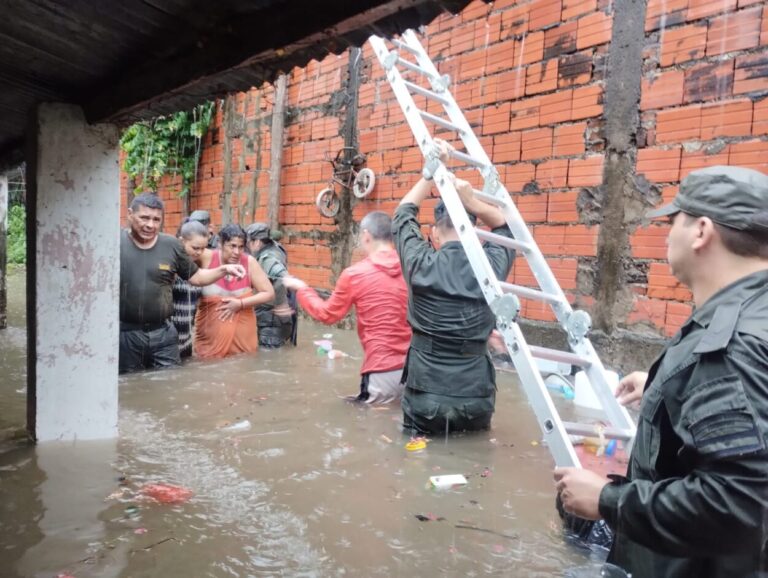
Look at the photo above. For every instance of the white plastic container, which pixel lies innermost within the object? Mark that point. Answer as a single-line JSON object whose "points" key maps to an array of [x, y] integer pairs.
{"points": [[447, 481], [584, 395]]}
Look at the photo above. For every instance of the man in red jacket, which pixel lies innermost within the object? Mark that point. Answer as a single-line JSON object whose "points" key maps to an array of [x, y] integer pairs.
{"points": [[375, 286]]}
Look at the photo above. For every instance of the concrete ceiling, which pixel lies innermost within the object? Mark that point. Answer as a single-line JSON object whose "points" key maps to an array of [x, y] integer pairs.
{"points": [[124, 60]]}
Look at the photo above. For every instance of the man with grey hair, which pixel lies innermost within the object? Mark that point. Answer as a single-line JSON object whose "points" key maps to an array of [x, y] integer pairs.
{"points": [[695, 498], [376, 288], [149, 263]]}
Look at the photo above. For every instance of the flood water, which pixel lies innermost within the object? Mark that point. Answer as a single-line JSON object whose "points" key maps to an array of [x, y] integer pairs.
{"points": [[310, 486]]}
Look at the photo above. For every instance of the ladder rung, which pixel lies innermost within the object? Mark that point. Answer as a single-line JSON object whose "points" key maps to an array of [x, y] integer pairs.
{"points": [[404, 46], [469, 159], [585, 429], [440, 121], [528, 293], [557, 355], [502, 240], [491, 199], [411, 66], [426, 92]]}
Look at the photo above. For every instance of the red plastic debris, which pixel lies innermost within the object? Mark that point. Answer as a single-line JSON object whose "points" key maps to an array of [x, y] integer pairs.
{"points": [[167, 494]]}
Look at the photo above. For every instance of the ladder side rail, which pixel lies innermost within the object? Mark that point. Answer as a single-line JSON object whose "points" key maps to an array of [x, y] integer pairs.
{"points": [[467, 135], [552, 426]]}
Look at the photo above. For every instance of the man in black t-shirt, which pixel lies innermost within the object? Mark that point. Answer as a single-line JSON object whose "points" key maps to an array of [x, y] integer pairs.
{"points": [[149, 262]]}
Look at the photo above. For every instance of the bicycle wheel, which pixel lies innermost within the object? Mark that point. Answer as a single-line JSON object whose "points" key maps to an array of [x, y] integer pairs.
{"points": [[328, 203], [364, 183]]}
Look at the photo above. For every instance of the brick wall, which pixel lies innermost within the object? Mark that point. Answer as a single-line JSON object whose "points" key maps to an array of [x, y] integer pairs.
{"points": [[531, 79]]}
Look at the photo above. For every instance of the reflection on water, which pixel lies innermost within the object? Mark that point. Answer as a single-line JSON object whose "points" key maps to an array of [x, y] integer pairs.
{"points": [[315, 486]]}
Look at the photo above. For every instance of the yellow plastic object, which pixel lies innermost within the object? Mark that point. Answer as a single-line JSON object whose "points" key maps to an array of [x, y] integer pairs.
{"points": [[415, 445]]}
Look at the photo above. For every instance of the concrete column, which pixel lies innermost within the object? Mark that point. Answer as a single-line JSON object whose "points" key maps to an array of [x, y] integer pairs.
{"points": [[73, 272], [3, 250]]}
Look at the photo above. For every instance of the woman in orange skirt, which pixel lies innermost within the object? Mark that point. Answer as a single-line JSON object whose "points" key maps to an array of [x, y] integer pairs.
{"points": [[225, 323]]}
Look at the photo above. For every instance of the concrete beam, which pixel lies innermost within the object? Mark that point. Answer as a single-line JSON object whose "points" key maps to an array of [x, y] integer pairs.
{"points": [[73, 274]]}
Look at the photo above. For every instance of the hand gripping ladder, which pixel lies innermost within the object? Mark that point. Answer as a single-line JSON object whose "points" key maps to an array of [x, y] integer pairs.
{"points": [[502, 297]]}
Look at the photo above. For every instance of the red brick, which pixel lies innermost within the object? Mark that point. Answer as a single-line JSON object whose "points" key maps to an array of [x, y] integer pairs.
{"points": [[736, 31], [751, 74], [683, 43], [726, 119], [694, 161], [659, 165], [515, 19], [662, 90], [750, 154], [653, 311], [524, 113], [760, 117], [569, 139], [552, 174], [541, 77], [536, 144], [506, 147], [593, 29], [586, 102], [764, 28], [560, 40], [543, 13], [499, 56], [703, 8], [562, 207], [650, 242], [679, 124], [518, 175], [570, 240], [555, 107], [529, 49], [585, 172], [511, 84], [663, 13], [533, 208], [573, 8], [709, 81], [496, 119], [574, 69]]}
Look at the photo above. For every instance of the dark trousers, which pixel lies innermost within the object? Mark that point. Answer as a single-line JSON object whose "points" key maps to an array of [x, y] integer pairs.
{"points": [[432, 413], [148, 348]]}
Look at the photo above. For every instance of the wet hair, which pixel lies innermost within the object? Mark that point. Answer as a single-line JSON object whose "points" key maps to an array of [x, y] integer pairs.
{"points": [[742, 243], [190, 229], [379, 225], [149, 200], [232, 231], [443, 220]]}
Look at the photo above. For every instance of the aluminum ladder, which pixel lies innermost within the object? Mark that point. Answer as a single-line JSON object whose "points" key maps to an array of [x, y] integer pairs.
{"points": [[408, 58]]}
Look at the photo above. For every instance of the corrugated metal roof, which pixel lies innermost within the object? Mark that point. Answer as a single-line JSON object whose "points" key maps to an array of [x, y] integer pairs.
{"points": [[123, 61]]}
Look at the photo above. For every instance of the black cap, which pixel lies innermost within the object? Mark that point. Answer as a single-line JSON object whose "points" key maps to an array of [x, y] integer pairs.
{"points": [[257, 231], [735, 197], [441, 211], [200, 216]]}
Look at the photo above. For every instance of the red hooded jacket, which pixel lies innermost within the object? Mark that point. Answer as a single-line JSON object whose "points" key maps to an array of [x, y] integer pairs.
{"points": [[375, 286]]}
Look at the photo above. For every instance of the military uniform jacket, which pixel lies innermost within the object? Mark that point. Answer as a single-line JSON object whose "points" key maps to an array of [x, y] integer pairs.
{"points": [[272, 259], [696, 500], [447, 311]]}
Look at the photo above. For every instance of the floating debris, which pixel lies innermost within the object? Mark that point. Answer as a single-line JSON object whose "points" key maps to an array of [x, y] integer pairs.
{"points": [[166, 493], [244, 425], [429, 518], [447, 481], [416, 445], [385, 439]]}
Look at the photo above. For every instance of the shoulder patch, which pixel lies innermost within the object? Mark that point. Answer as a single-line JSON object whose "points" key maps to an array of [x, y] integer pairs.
{"points": [[164, 267], [720, 331]]}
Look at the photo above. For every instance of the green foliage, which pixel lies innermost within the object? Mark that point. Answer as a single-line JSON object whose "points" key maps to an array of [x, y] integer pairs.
{"points": [[167, 145], [17, 235]]}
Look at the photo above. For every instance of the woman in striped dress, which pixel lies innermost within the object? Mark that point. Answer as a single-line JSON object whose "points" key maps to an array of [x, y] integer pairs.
{"points": [[194, 238]]}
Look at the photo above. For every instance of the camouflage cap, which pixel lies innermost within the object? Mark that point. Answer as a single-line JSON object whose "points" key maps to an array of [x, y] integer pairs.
{"points": [[441, 211], [731, 196], [200, 216], [257, 231]]}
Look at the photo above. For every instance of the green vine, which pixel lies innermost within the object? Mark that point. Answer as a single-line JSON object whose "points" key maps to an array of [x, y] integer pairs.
{"points": [[167, 145]]}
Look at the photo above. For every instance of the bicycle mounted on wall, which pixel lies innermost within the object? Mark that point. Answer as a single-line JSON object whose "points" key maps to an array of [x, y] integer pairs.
{"points": [[348, 173]]}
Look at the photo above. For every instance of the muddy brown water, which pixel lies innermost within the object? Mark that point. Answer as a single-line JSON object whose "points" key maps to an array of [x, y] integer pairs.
{"points": [[314, 486]]}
